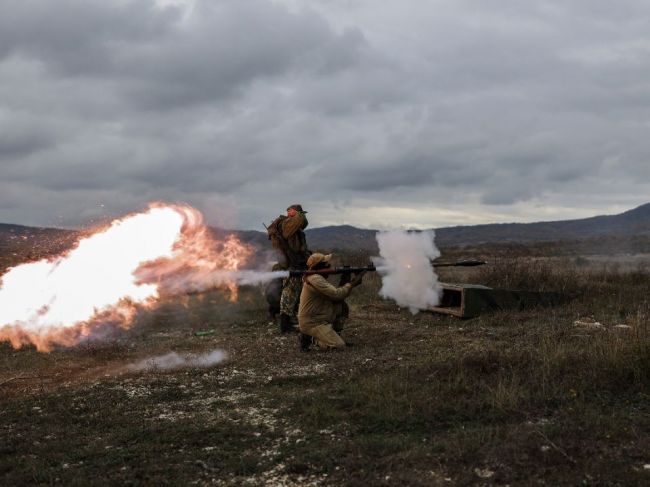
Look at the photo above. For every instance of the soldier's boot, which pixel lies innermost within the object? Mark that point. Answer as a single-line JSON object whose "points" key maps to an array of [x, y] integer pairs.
{"points": [[286, 323], [305, 342]]}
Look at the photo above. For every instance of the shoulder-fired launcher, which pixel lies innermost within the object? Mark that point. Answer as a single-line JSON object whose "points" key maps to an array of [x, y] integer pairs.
{"points": [[460, 263], [346, 269]]}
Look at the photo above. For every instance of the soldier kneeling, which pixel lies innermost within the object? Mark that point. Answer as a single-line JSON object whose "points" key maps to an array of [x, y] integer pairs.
{"points": [[322, 306]]}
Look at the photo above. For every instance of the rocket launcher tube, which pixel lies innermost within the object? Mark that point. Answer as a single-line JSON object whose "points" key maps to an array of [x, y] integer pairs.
{"points": [[460, 263], [371, 268], [333, 270]]}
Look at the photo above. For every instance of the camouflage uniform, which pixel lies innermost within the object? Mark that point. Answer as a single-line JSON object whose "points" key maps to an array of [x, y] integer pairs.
{"points": [[291, 287], [296, 254]]}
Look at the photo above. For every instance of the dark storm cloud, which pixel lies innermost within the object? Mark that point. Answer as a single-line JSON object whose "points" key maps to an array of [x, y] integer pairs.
{"points": [[77, 36], [403, 174], [22, 135], [217, 175], [15, 145], [103, 60], [227, 45], [391, 107], [444, 168], [164, 63]]}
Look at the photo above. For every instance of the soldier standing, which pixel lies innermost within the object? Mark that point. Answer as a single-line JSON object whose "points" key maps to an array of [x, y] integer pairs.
{"points": [[288, 238]]}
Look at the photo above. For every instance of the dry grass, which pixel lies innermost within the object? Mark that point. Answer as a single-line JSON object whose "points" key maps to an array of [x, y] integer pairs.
{"points": [[516, 398]]}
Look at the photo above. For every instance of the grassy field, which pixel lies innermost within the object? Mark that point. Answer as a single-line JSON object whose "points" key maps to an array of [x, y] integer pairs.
{"points": [[523, 397]]}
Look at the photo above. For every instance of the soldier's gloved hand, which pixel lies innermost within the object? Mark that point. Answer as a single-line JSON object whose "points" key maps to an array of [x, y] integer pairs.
{"points": [[345, 278], [356, 280]]}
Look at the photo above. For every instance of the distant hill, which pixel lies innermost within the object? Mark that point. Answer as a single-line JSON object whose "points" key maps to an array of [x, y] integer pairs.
{"points": [[635, 222], [19, 243], [342, 237], [21, 236]]}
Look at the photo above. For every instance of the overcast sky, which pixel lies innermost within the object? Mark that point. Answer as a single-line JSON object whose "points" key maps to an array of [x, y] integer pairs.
{"points": [[411, 113]]}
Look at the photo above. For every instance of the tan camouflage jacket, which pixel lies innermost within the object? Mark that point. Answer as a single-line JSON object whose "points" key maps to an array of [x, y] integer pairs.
{"points": [[320, 301]]}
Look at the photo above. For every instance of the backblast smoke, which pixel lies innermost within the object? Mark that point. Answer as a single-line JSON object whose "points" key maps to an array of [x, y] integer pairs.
{"points": [[108, 275], [173, 360], [405, 267]]}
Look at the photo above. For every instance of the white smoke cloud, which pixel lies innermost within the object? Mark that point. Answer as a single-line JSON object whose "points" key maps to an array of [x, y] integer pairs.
{"points": [[405, 267], [249, 278], [173, 360], [198, 282]]}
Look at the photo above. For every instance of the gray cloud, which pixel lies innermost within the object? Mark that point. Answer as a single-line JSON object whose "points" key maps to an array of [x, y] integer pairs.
{"points": [[76, 37], [16, 144], [407, 112], [227, 45]]}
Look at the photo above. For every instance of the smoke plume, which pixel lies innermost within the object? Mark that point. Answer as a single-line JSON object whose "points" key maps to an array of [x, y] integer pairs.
{"points": [[173, 360], [405, 267]]}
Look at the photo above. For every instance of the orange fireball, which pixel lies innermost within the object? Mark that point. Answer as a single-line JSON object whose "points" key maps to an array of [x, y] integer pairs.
{"points": [[107, 274]]}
